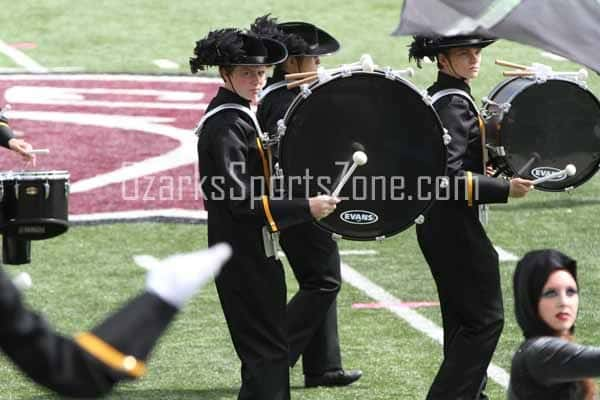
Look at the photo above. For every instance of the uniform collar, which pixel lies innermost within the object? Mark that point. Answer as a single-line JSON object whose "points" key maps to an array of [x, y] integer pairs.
{"points": [[227, 96], [445, 81]]}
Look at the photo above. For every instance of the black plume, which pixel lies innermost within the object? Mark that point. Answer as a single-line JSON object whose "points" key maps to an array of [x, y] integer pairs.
{"points": [[267, 27], [222, 46], [420, 48]]}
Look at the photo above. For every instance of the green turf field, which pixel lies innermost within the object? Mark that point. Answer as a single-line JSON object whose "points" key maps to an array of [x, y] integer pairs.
{"points": [[82, 275]]}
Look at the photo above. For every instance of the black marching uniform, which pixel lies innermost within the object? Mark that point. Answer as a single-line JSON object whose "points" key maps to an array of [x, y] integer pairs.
{"points": [[314, 257], [462, 259], [91, 363], [251, 286], [546, 367], [5, 132]]}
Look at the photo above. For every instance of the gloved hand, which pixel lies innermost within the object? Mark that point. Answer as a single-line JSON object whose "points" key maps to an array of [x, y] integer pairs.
{"points": [[177, 278]]}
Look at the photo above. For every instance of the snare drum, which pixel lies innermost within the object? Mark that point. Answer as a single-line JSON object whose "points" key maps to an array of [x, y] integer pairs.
{"points": [[535, 128], [383, 115], [34, 205]]}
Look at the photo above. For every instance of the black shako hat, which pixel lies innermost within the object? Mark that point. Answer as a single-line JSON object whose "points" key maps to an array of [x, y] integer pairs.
{"points": [[423, 46], [530, 276], [231, 47], [300, 38]]}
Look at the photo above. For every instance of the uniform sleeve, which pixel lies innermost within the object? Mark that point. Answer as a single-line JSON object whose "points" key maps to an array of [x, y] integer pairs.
{"points": [[552, 360], [5, 132], [465, 185], [230, 149], [90, 364]]}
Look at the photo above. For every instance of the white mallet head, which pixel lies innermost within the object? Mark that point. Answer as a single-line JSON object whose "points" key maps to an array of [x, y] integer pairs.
{"points": [[22, 281], [367, 63], [359, 158], [570, 170]]}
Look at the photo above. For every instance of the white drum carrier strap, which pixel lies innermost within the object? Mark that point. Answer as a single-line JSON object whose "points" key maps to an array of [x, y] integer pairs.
{"points": [[271, 88], [451, 92], [230, 106]]}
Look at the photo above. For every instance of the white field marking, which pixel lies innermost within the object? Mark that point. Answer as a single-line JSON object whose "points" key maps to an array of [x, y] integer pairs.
{"points": [[413, 318], [110, 77], [200, 215], [504, 255], [165, 64], [21, 59], [184, 154], [553, 56], [165, 99], [56, 69]]}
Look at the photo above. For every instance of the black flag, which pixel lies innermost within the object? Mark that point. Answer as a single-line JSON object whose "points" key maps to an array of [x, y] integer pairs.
{"points": [[568, 28]]}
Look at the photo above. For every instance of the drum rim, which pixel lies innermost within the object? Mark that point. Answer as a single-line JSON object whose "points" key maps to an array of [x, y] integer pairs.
{"points": [[444, 165], [542, 187], [35, 175]]}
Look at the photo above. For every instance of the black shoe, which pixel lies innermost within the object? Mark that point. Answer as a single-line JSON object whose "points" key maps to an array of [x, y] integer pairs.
{"points": [[333, 378]]}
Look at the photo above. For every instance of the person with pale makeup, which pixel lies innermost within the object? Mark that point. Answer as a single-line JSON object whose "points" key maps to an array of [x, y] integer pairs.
{"points": [[235, 171], [548, 365], [461, 257]]}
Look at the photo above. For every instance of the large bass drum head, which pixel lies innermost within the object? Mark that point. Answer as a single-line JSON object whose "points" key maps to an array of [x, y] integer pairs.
{"points": [[388, 120], [550, 125]]}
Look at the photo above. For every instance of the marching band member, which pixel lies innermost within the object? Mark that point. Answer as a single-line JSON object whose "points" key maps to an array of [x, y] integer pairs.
{"points": [[312, 253], [91, 363], [462, 259], [8, 140], [236, 173]]}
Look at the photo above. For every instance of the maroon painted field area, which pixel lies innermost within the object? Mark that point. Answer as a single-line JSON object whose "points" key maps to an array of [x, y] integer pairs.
{"points": [[127, 141]]}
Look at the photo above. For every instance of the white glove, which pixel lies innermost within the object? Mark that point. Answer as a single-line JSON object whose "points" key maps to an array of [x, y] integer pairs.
{"points": [[177, 278]]}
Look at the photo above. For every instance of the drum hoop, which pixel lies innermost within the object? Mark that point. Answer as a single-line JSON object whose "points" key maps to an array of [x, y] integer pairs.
{"points": [[377, 72], [35, 175]]}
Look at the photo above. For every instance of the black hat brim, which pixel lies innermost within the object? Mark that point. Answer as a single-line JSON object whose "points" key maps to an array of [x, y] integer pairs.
{"points": [[276, 54], [466, 42], [327, 44]]}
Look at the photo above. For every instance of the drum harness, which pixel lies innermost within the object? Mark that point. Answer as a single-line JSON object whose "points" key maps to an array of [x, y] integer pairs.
{"points": [[270, 236], [482, 208]]}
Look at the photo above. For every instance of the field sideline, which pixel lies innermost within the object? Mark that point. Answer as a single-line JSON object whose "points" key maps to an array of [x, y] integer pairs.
{"points": [[80, 276]]}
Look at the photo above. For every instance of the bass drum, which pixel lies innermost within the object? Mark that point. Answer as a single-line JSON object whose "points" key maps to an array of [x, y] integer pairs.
{"points": [[536, 128], [393, 123]]}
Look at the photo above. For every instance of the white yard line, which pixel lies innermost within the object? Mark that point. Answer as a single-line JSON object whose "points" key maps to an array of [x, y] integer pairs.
{"points": [[505, 256], [21, 59], [553, 56], [165, 64], [175, 213], [413, 318]]}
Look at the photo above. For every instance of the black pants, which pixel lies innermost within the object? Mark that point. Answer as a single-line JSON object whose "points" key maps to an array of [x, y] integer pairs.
{"points": [[253, 296], [464, 266], [312, 312]]}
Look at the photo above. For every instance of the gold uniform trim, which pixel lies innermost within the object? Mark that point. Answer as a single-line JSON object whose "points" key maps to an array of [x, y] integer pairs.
{"points": [[4, 124], [265, 162], [270, 219], [109, 355], [469, 188]]}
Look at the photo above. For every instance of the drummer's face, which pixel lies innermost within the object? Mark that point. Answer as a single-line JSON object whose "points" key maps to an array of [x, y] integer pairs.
{"points": [[462, 62], [309, 63], [247, 81]]}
